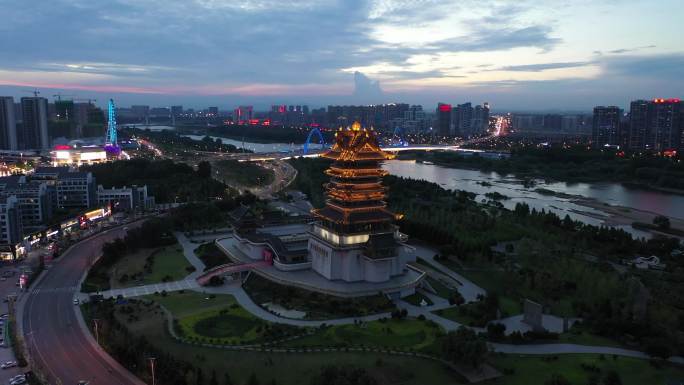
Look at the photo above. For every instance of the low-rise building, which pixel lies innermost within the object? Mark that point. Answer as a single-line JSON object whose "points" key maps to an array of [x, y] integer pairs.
{"points": [[74, 189], [35, 203], [125, 198], [10, 226]]}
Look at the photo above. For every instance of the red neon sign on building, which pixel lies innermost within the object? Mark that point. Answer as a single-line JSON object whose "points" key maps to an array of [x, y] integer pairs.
{"points": [[445, 107]]}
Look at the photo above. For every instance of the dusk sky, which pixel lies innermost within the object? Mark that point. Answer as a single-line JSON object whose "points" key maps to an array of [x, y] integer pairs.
{"points": [[519, 55]]}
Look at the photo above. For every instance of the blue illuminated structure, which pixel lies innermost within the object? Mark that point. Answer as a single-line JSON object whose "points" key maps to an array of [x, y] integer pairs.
{"points": [[111, 140], [313, 131], [398, 133]]}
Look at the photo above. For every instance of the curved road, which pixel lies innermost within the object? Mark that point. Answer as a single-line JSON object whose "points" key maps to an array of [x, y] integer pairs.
{"points": [[58, 345]]}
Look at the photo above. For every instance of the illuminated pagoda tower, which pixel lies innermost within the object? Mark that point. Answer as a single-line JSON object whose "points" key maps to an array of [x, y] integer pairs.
{"points": [[355, 238]]}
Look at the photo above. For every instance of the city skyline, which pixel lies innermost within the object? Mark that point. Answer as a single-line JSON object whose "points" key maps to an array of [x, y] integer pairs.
{"points": [[521, 56]]}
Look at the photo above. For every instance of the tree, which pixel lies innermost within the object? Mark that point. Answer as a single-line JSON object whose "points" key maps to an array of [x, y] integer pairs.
{"points": [[253, 380], [204, 169], [557, 379], [227, 380], [611, 378], [199, 377], [496, 331], [213, 380], [464, 347], [662, 222]]}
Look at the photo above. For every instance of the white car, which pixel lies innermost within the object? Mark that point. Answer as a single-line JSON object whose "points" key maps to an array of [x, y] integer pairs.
{"points": [[18, 381], [76, 301], [18, 376], [8, 364]]}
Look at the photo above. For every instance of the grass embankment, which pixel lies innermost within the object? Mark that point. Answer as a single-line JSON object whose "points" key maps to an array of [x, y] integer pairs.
{"points": [[316, 305], [441, 289], [283, 369], [247, 174], [218, 319], [211, 255], [579, 368], [392, 333], [148, 266]]}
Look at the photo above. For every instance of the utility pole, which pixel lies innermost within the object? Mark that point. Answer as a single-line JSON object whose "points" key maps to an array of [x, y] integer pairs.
{"points": [[152, 359], [97, 334]]}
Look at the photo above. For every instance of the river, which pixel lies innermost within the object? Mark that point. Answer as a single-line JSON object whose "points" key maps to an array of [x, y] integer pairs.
{"points": [[254, 147], [480, 183]]}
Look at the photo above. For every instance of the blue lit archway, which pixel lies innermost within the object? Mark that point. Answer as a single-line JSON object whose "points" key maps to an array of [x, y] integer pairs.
{"points": [[313, 131], [398, 133]]}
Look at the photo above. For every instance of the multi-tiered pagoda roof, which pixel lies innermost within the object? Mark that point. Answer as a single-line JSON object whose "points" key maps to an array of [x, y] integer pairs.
{"points": [[355, 194]]}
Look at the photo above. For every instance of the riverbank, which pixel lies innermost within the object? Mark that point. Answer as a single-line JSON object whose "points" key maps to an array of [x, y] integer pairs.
{"points": [[618, 216]]}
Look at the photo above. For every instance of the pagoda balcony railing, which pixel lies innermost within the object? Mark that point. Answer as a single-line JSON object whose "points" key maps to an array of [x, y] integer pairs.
{"points": [[356, 173], [356, 194], [381, 205]]}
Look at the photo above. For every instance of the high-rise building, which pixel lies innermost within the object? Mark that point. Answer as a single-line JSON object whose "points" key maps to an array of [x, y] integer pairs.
{"points": [[176, 111], [480, 122], [552, 122], [463, 119], [665, 117], [605, 127], [141, 111], [35, 126], [213, 112], [444, 119], [655, 124], [639, 130], [244, 114], [8, 124]]}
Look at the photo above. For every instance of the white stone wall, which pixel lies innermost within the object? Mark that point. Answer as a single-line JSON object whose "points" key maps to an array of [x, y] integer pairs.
{"points": [[254, 252]]}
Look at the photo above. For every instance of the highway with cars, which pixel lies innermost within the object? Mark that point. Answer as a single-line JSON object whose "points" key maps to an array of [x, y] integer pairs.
{"points": [[57, 343]]}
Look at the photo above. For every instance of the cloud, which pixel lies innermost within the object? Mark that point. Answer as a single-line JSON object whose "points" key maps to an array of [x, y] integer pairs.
{"points": [[367, 90], [625, 50], [493, 39], [666, 67], [543, 66]]}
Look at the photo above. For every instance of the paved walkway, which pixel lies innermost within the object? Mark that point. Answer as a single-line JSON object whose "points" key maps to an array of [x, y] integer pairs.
{"points": [[573, 349], [185, 284], [468, 289], [189, 252]]}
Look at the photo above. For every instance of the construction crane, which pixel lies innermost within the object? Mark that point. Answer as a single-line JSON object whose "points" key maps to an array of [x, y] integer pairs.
{"points": [[59, 96], [35, 92], [90, 101]]}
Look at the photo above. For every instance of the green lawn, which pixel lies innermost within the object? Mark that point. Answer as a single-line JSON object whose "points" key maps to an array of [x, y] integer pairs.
{"points": [[167, 264], [182, 304], [407, 333], [509, 306], [578, 335], [536, 369], [453, 313], [286, 369], [218, 319]]}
